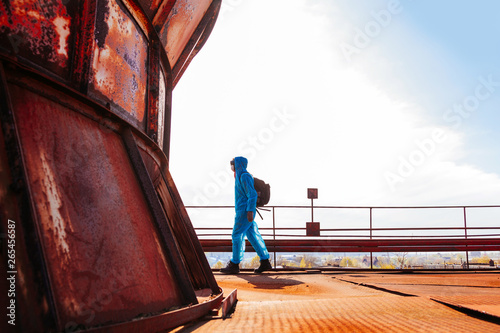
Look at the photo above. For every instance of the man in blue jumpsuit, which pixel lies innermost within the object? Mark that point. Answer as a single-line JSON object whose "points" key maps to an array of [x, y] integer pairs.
{"points": [[244, 225]]}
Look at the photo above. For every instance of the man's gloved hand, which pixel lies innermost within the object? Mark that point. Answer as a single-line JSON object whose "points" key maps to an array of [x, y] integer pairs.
{"points": [[250, 216]]}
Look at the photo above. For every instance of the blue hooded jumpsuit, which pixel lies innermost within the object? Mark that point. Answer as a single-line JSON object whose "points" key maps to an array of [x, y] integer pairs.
{"points": [[245, 201]]}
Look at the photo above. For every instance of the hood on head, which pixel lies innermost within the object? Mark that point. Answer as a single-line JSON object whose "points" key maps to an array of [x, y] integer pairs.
{"points": [[240, 164]]}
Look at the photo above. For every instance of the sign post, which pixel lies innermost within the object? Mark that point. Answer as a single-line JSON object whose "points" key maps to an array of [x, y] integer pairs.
{"points": [[312, 228]]}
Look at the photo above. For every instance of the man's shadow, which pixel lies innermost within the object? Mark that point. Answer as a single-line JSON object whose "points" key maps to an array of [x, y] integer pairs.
{"points": [[260, 281], [269, 281]]}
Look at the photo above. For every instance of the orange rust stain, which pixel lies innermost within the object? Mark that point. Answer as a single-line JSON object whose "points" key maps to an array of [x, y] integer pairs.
{"points": [[120, 61], [40, 26], [53, 205]]}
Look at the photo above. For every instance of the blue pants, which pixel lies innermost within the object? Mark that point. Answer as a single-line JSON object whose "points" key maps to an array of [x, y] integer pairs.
{"points": [[244, 228]]}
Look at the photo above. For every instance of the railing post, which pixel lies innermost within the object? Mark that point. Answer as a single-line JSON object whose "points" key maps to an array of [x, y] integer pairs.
{"points": [[465, 230], [312, 210], [371, 236], [274, 238]]}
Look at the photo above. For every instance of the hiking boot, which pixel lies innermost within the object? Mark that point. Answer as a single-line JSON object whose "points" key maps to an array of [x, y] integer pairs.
{"points": [[231, 268], [265, 265]]}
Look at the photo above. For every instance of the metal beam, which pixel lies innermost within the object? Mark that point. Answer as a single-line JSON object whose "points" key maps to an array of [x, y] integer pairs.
{"points": [[357, 245], [171, 248]]}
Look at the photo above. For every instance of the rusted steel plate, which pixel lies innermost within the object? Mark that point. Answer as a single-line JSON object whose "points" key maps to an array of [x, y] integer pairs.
{"points": [[322, 303], [478, 292], [181, 23], [480, 305], [162, 224], [14, 206], [120, 58], [102, 252], [180, 224]]}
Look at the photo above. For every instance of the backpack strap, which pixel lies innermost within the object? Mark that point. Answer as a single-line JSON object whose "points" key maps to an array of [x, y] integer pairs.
{"points": [[239, 179], [243, 174], [259, 208]]}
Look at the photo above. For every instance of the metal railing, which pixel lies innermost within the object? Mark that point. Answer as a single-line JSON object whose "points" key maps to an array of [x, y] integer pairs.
{"points": [[376, 229]]}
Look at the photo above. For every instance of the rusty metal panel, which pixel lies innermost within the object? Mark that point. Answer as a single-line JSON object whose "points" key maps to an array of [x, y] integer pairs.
{"points": [[38, 30], [197, 40], [120, 59], [190, 249], [32, 298], [181, 23], [190, 257], [167, 235], [104, 257]]}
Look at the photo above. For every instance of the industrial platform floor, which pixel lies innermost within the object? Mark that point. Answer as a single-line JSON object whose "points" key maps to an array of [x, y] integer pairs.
{"points": [[359, 302]]}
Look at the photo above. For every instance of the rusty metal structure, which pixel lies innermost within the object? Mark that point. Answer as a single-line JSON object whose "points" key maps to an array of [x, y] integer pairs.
{"points": [[95, 236]]}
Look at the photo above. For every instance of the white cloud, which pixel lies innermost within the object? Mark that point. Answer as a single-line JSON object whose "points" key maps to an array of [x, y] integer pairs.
{"points": [[349, 128]]}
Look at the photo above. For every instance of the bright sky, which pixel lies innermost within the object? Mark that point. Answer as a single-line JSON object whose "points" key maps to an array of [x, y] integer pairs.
{"points": [[372, 102]]}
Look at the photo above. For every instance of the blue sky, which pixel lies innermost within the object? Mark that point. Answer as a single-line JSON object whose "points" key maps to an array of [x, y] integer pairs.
{"points": [[373, 102], [460, 44], [470, 34]]}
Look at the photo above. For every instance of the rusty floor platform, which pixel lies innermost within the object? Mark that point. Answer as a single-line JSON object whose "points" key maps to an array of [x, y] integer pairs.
{"points": [[359, 302]]}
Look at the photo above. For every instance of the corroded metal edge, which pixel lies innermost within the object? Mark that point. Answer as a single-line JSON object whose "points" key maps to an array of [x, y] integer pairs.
{"points": [[229, 303], [166, 320]]}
